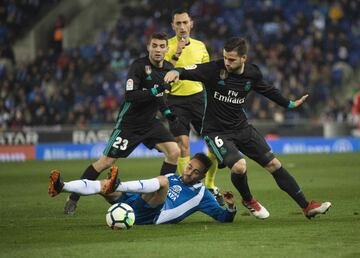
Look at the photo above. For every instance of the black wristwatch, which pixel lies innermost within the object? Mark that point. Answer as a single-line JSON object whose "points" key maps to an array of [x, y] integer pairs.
{"points": [[175, 58]]}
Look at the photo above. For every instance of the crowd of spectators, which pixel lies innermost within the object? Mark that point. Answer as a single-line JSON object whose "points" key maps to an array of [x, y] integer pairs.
{"points": [[16, 15], [301, 47]]}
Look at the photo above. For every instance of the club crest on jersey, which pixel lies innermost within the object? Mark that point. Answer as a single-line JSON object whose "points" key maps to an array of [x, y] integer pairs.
{"points": [[129, 84], [174, 192], [247, 86]]}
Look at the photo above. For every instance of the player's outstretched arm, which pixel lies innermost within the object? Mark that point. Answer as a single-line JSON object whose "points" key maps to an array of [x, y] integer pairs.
{"points": [[300, 101]]}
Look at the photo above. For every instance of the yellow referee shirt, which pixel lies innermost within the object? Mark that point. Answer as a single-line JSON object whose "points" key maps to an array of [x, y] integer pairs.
{"points": [[193, 53]]}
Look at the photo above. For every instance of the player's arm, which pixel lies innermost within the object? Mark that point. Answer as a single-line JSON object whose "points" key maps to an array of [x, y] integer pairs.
{"points": [[195, 72], [274, 94], [133, 90], [210, 206]]}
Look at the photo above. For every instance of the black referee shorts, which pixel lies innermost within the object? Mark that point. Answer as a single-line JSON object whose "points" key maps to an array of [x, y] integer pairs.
{"points": [[122, 142], [248, 141], [190, 110]]}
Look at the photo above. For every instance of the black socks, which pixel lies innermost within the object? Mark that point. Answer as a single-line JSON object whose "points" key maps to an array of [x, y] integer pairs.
{"points": [[241, 184], [167, 168], [288, 184]]}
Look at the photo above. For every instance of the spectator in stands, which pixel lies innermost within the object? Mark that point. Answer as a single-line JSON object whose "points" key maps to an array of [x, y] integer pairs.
{"points": [[58, 34], [356, 109], [316, 42]]}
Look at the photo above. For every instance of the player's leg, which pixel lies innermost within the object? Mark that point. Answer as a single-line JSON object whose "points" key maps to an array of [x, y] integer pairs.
{"points": [[160, 138], [147, 205], [148, 202], [210, 179], [113, 184], [117, 147], [92, 172], [172, 152], [240, 181], [210, 175], [227, 153], [258, 150], [184, 145], [157, 197], [80, 187], [181, 129], [197, 109], [288, 184]]}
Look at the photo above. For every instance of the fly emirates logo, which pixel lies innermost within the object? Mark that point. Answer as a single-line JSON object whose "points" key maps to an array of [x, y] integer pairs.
{"points": [[232, 97]]}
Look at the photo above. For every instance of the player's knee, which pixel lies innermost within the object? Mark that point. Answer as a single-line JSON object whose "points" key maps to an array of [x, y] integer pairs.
{"points": [[173, 154], [164, 182], [239, 167], [273, 165]]}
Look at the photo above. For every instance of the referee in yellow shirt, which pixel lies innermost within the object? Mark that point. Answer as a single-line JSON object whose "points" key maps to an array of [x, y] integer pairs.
{"points": [[186, 98]]}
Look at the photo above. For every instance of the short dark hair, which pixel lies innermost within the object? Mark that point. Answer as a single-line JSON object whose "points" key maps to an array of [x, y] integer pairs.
{"points": [[205, 160], [236, 44], [179, 11], [158, 35]]}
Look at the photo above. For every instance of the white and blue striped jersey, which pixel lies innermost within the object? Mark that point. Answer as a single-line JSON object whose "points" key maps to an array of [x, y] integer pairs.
{"points": [[183, 200]]}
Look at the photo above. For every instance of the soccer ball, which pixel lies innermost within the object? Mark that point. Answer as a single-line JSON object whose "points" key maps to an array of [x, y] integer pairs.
{"points": [[120, 216]]}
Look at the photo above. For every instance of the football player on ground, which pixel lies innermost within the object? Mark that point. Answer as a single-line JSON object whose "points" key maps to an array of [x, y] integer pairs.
{"points": [[137, 122], [226, 130], [164, 199]]}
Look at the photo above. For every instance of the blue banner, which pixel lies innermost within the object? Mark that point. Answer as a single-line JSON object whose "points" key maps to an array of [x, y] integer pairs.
{"points": [[279, 146], [314, 145], [84, 151]]}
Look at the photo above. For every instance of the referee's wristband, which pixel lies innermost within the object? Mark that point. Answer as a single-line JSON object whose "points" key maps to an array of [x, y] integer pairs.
{"points": [[291, 104]]}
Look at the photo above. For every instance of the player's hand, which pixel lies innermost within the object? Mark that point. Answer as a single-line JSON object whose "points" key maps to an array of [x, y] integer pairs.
{"points": [[163, 87], [229, 199], [300, 101], [171, 76]]}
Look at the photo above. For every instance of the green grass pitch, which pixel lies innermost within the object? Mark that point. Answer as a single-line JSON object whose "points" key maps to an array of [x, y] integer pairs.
{"points": [[33, 225]]}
